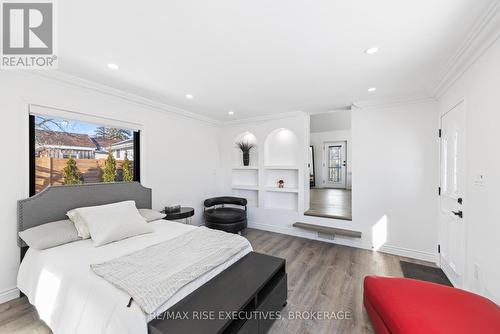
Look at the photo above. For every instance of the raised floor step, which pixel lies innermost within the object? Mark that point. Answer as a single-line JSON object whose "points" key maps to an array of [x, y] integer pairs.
{"points": [[328, 230], [315, 213]]}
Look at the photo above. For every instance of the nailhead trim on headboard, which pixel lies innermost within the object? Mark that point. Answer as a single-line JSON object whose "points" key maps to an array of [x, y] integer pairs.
{"points": [[53, 202]]}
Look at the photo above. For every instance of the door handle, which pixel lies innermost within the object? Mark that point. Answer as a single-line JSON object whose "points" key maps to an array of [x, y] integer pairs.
{"points": [[458, 213]]}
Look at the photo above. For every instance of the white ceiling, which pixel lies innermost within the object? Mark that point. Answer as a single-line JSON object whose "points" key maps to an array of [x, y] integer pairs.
{"points": [[260, 57]]}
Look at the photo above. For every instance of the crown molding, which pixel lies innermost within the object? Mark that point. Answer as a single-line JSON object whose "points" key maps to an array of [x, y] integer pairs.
{"points": [[264, 118], [74, 81], [391, 103], [484, 34], [344, 109]]}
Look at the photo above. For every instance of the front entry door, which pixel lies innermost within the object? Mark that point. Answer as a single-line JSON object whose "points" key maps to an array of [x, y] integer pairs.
{"points": [[335, 164], [451, 216]]}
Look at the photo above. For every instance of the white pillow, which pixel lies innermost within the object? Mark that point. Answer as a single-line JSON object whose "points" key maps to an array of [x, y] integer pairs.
{"points": [[50, 234], [113, 222], [151, 215], [81, 227]]}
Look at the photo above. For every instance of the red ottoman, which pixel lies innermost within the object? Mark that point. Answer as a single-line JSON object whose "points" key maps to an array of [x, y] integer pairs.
{"points": [[407, 306]]}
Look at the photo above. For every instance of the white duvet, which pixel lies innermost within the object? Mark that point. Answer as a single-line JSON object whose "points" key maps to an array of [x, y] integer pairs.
{"points": [[71, 298]]}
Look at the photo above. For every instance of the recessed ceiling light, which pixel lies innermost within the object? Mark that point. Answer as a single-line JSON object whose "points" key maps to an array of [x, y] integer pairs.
{"points": [[230, 113], [372, 89], [113, 66], [189, 96], [371, 50]]}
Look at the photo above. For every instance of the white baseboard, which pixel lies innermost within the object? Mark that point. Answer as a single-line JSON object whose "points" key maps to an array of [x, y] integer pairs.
{"points": [[406, 252], [7, 295], [450, 273], [307, 234], [400, 251]]}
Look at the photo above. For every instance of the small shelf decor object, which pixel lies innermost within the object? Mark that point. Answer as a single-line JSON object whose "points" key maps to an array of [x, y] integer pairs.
{"points": [[172, 208], [245, 148], [281, 178]]}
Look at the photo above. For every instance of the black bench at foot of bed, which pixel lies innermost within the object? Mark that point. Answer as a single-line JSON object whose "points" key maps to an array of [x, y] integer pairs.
{"points": [[245, 298]]}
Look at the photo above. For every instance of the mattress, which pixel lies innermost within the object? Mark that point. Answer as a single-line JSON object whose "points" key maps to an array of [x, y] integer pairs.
{"points": [[71, 298]]}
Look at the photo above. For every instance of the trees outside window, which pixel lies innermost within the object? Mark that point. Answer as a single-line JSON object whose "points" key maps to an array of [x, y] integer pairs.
{"points": [[128, 175], [65, 151], [109, 174], [71, 173]]}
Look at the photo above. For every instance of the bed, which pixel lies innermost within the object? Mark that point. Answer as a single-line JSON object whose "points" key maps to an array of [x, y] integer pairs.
{"points": [[71, 298]]}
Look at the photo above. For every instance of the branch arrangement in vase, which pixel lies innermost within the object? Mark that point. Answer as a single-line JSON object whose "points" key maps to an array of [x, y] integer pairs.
{"points": [[245, 147]]}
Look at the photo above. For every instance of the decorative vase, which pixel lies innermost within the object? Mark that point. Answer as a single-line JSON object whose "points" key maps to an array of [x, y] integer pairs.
{"points": [[246, 158]]}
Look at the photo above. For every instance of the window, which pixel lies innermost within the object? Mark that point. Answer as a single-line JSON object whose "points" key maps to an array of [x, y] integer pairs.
{"points": [[64, 151], [334, 163]]}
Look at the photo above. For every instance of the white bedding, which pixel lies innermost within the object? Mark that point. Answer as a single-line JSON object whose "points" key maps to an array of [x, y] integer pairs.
{"points": [[71, 298]]}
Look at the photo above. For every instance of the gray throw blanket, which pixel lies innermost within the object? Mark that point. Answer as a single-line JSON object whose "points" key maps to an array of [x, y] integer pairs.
{"points": [[154, 274]]}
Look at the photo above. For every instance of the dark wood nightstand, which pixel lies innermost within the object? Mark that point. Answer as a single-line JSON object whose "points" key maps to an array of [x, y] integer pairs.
{"points": [[184, 213]]}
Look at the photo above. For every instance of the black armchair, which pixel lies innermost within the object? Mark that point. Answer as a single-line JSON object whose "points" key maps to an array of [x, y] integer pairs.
{"points": [[228, 219]]}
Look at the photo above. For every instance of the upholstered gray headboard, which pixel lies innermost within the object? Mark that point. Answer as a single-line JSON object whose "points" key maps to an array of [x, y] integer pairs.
{"points": [[52, 203]]}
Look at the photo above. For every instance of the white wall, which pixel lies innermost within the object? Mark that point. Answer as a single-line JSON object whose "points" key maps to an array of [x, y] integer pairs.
{"points": [[317, 140], [298, 124], [395, 166], [479, 88], [332, 121], [186, 160], [395, 180], [179, 156]]}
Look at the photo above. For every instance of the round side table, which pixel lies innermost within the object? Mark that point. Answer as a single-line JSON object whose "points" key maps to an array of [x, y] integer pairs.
{"points": [[184, 213]]}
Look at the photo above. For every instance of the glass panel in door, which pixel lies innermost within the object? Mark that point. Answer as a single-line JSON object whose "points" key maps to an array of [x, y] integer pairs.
{"points": [[334, 164]]}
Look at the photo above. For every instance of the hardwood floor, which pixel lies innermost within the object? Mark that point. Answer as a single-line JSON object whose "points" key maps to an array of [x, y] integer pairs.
{"points": [[19, 317], [322, 277], [330, 203]]}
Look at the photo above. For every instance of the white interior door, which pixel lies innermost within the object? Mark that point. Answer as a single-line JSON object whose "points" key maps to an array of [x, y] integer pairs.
{"points": [[335, 163], [451, 216]]}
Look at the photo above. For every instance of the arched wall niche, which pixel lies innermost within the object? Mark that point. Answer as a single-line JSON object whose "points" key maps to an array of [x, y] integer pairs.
{"points": [[281, 148], [237, 156]]}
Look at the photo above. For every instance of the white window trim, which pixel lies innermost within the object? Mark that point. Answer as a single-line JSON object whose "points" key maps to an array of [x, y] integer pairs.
{"points": [[39, 110]]}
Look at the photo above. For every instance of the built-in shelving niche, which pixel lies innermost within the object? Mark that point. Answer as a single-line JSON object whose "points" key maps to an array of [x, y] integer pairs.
{"points": [[281, 200], [259, 181], [237, 155], [252, 195], [281, 149], [289, 175], [248, 178], [245, 179]]}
